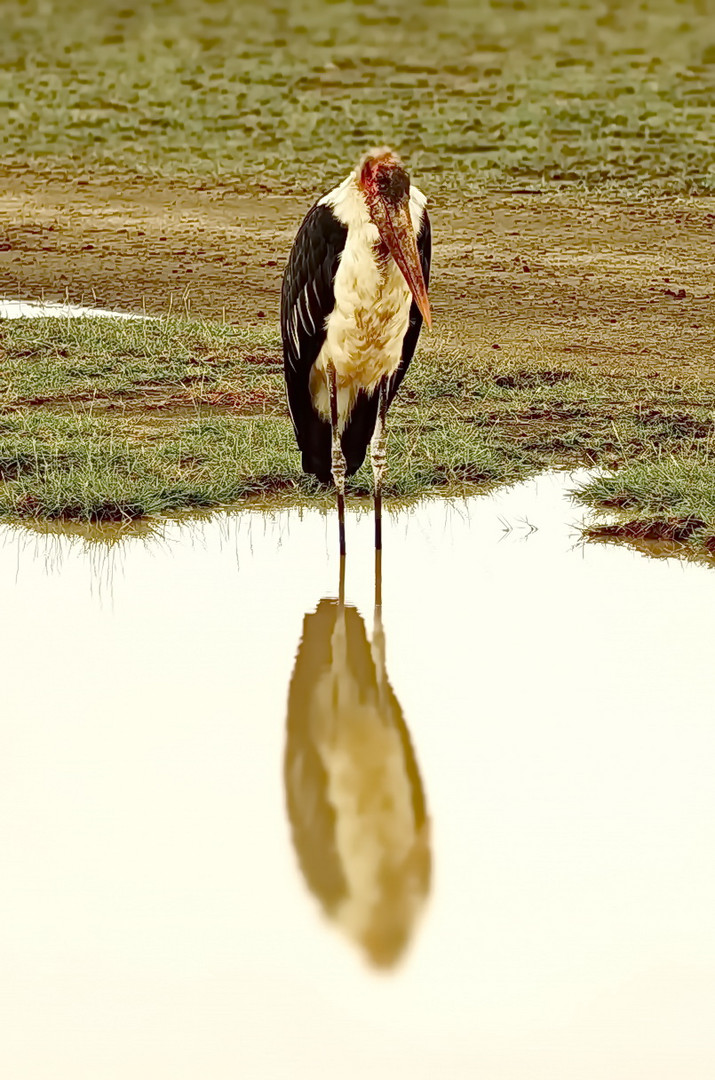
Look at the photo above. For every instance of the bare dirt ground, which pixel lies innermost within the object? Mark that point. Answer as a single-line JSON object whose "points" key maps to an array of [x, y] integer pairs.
{"points": [[622, 284]]}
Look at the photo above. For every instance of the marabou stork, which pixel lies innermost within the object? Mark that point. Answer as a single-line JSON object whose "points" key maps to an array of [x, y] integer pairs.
{"points": [[353, 300]]}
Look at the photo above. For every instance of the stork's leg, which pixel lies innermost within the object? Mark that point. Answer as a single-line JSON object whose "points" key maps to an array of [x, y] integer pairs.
{"points": [[377, 453], [338, 460], [377, 645], [341, 583]]}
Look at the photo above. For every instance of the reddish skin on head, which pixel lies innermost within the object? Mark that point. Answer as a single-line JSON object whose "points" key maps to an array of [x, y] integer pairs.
{"points": [[385, 183], [383, 176]]}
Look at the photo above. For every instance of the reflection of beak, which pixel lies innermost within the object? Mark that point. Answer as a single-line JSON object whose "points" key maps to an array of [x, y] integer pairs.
{"points": [[399, 236]]}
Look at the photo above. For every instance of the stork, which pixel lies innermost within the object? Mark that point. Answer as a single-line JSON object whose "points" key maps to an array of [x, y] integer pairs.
{"points": [[352, 304]]}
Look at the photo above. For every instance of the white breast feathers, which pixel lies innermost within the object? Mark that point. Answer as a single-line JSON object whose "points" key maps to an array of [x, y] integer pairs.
{"points": [[372, 305]]}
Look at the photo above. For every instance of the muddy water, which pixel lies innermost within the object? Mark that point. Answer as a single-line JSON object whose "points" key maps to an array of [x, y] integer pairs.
{"points": [[246, 831]]}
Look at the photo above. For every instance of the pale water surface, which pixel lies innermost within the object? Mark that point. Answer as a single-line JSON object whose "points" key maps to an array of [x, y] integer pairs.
{"points": [[31, 309], [482, 849]]}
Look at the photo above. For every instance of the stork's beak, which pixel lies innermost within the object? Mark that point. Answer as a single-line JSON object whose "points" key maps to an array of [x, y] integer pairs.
{"points": [[398, 234]]}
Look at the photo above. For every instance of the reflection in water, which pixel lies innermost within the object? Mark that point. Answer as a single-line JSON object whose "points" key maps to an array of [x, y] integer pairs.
{"points": [[353, 789]]}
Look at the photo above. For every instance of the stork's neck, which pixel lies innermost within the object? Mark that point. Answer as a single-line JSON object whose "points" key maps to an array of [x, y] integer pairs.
{"points": [[350, 207]]}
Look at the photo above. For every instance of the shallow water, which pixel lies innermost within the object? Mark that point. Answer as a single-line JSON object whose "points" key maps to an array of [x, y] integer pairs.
{"points": [[244, 836], [30, 309]]}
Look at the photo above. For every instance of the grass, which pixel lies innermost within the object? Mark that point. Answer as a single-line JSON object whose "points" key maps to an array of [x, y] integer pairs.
{"points": [[104, 419], [474, 92], [670, 499]]}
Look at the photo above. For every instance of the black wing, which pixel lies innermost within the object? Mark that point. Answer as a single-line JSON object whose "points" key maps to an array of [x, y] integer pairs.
{"points": [[424, 247], [307, 298]]}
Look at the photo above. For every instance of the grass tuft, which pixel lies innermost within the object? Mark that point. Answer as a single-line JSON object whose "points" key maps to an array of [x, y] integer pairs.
{"points": [[671, 499]]}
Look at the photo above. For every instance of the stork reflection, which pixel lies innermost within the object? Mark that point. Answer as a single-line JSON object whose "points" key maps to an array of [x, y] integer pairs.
{"points": [[354, 794]]}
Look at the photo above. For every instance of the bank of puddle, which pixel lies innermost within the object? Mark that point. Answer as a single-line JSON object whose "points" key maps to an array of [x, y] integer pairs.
{"points": [[252, 830]]}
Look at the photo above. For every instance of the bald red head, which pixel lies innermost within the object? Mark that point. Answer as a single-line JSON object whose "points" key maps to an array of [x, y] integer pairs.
{"points": [[385, 183], [381, 174]]}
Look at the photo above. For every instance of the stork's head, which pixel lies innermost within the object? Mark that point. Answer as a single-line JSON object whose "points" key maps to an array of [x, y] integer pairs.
{"points": [[384, 182]]}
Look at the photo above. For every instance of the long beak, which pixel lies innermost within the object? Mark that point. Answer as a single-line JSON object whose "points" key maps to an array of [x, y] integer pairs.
{"points": [[399, 236]]}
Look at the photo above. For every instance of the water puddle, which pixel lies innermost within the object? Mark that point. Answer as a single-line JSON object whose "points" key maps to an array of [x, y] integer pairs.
{"points": [[32, 309], [249, 831]]}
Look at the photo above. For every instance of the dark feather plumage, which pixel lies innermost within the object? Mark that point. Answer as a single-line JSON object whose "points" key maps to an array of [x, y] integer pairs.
{"points": [[307, 298]]}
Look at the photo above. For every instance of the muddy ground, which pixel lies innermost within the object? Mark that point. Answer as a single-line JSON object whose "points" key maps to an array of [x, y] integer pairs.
{"points": [[623, 283]]}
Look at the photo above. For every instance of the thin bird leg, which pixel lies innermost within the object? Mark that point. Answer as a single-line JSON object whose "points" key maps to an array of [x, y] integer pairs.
{"points": [[377, 645], [338, 461], [377, 453], [341, 583]]}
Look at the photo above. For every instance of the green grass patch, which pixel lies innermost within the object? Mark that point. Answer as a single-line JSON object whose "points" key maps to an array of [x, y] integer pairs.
{"points": [[670, 499], [153, 363], [472, 91], [104, 420]]}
